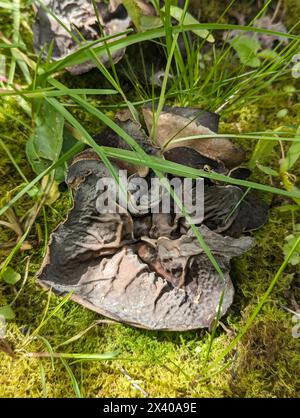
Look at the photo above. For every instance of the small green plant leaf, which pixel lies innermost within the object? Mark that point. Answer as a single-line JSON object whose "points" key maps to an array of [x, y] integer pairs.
{"points": [[261, 153], [293, 153], [10, 276], [291, 240], [247, 49], [134, 12], [282, 113], [72, 378], [44, 146], [176, 13], [6, 312], [287, 208], [2, 65], [53, 193], [268, 54], [267, 170], [150, 22], [33, 192]]}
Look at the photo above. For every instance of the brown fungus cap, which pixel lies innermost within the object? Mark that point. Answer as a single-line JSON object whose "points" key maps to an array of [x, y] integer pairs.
{"points": [[175, 123]]}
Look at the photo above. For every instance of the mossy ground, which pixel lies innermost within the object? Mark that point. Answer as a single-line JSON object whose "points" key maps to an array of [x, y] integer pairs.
{"points": [[265, 363]]}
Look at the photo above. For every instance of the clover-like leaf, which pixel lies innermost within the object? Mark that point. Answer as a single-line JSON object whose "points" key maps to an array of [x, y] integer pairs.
{"points": [[44, 146], [247, 49], [10, 276]]}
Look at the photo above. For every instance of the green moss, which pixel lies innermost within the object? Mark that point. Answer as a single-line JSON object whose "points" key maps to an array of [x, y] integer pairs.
{"points": [[291, 16], [267, 346]]}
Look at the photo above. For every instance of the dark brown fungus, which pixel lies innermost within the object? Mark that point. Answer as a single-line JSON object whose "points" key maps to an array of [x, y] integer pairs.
{"points": [[79, 21], [231, 210], [109, 138], [148, 269], [241, 173], [191, 158], [175, 123], [252, 214]]}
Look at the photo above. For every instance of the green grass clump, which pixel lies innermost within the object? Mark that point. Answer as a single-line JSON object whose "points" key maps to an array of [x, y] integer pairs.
{"points": [[293, 8]]}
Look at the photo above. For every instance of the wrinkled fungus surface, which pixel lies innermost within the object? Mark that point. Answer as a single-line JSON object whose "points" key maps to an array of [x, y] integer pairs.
{"points": [[148, 269], [79, 24]]}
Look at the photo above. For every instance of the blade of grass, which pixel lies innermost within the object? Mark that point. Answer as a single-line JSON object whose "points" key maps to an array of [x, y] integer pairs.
{"points": [[165, 166], [56, 93], [65, 157], [72, 378], [88, 140], [46, 319], [16, 37], [78, 56], [214, 327], [12, 159], [78, 356]]}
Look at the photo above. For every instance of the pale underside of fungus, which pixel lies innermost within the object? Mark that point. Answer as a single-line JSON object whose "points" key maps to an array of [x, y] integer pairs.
{"points": [[148, 269]]}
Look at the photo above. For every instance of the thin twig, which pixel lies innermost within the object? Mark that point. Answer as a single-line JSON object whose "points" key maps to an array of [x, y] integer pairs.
{"points": [[6, 348], [133, 382], [276, 11], [24, 280]]}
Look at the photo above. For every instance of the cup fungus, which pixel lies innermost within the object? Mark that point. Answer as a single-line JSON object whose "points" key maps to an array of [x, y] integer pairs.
{"points": [[148, 269]]}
